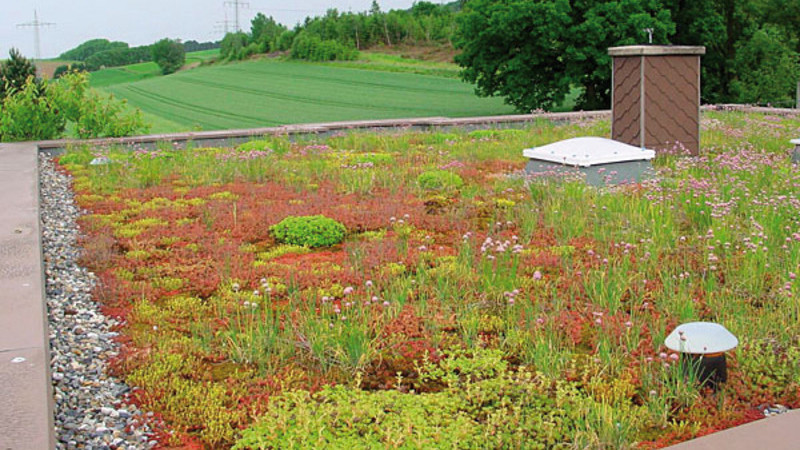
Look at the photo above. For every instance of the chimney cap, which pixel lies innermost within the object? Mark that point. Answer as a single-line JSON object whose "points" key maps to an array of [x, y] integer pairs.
{"points": [[656, 50]]}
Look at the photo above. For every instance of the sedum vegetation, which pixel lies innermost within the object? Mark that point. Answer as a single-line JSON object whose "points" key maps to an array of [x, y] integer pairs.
{"points": [[497, 408], [507, 311]]}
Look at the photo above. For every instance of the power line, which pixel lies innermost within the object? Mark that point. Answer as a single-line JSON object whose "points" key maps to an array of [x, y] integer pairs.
{"points": [[36, 25], [223, 26], [236, 4], [300, 10]]}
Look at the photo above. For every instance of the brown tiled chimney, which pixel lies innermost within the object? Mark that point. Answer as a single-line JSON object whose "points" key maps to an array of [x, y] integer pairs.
{"points": [[655, 96]]}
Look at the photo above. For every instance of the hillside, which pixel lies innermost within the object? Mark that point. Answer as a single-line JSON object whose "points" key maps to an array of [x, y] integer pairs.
{"points": [[270, 92], [141, 71], [46, 68]]}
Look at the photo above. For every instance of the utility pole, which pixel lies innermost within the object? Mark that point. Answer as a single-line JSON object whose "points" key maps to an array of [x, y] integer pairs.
{"points": [[236, 4], [36, 25]]}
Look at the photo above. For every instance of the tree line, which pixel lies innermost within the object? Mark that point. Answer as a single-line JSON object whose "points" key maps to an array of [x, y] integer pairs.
{"points": [[97, 54], [340, 35]]}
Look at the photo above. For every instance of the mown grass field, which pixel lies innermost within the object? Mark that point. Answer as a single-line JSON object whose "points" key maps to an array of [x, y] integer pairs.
{"points": [[142, 71], [270, 92]]}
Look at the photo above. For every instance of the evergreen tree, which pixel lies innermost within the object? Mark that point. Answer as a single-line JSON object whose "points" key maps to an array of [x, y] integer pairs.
{"points": [[15, 72]]}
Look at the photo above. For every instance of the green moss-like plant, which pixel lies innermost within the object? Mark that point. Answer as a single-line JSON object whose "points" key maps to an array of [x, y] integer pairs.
{"points": [[309, 231], [439, 180], [507, 411], [374, 158]]}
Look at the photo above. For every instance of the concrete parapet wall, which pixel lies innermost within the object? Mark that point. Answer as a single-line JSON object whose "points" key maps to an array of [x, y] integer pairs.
{"points": [[320, 128]]}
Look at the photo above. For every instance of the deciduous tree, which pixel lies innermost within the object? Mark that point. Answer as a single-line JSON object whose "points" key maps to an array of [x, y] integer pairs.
{"points": [[532, 52], [44, 109], [767, 69], [264, 32], [169, 55]]}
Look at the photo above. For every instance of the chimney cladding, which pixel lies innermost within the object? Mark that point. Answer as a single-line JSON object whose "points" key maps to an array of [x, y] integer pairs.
{"points": [[655, 97]]}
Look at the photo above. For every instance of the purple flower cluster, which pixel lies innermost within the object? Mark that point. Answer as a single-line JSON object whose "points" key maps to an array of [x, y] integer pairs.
{"points": [[141, 153], [357, 166], [499, 246], [251, 155], [455, 164]]}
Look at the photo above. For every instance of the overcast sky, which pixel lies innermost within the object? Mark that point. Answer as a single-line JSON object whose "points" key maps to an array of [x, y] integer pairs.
{"points": [[140, 22]]}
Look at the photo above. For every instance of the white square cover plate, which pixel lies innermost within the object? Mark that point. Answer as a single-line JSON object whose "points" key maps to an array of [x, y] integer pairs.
{"points": [[588, 151]]}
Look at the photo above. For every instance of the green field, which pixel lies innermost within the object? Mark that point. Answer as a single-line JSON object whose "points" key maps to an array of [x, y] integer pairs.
{"points": [[269, 92], [142, 71]]}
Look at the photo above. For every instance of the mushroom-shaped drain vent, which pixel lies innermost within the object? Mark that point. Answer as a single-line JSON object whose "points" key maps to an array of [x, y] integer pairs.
{"points": [[701, 338]]}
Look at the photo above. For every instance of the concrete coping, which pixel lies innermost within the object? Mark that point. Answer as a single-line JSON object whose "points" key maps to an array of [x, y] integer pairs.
{"points": [[318, 128], [656, 50], [780, 432], [26, 396], [784, 112]]}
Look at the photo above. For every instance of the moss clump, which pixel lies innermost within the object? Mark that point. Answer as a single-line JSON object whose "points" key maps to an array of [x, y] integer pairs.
{"points": [[309, 231], [439, 180]]}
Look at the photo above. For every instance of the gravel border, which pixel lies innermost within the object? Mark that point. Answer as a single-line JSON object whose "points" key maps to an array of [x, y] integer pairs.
{"points": [[90, 411]]}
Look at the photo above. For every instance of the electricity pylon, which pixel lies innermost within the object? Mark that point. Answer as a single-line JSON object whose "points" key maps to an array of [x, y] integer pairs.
{"points": [[224, 25], [36, 25], [236, 4]]}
